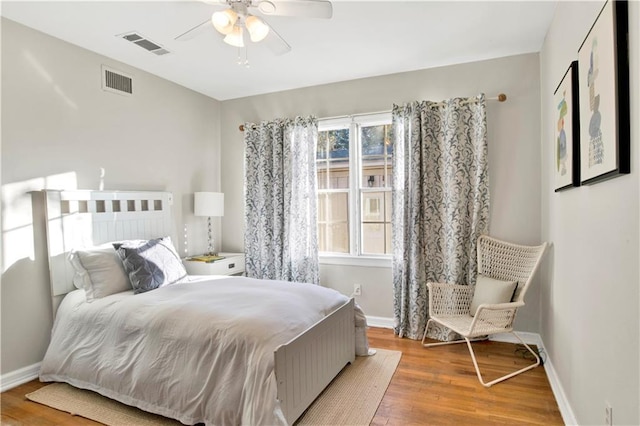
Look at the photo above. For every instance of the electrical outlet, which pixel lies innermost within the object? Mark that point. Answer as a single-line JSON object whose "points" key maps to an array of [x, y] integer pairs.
{"points": [[608, 414], [357, 290]]}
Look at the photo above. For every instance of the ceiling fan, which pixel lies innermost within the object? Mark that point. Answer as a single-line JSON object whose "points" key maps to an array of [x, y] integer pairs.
{"points": [[240, 17]]}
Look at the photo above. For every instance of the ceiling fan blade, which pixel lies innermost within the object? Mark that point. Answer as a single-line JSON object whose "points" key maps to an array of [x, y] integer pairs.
{"points": [[275, 42], [302, 8], [195, 31]]}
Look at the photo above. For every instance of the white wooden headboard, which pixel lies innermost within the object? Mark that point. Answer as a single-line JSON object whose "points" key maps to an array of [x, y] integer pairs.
{"points": [[85, 218]]}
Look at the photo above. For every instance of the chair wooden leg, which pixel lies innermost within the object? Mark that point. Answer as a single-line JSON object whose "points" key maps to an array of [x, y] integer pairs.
{"points": [[508, 376]]}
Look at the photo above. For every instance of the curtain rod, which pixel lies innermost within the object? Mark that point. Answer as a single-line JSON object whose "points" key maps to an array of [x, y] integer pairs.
{"points": [[500, 98]]}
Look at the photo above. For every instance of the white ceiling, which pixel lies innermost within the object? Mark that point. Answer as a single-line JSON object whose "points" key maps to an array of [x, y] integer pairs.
{"points": [[362, 39]]}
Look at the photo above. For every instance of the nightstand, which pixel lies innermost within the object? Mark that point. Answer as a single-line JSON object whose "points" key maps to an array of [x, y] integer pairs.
{"points": [[232, 264]]}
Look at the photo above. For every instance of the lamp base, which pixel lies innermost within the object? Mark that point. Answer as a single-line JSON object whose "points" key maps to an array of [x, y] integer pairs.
{"points": [[210, 250]]}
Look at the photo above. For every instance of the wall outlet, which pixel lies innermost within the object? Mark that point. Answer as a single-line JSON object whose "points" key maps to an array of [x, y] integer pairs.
{"points": [[357, 290], [608, 414]]}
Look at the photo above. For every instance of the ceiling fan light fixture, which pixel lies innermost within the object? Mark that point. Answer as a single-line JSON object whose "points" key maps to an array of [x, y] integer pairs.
{"points": [[234, 38], [258, 30], [224, 21]]}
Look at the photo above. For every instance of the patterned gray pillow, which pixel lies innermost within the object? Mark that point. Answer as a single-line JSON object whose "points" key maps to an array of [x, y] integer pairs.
{"points": [[150, 263]]}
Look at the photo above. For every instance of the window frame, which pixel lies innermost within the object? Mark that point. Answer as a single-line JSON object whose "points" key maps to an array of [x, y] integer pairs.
{"points": [[356, 190]]}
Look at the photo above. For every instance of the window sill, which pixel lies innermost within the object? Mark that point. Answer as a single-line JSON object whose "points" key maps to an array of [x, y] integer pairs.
{"points": [[368, 261]]}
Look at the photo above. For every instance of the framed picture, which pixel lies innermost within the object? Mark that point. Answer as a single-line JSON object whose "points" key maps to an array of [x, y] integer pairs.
{"points": [[603, 68], [567, 130]]}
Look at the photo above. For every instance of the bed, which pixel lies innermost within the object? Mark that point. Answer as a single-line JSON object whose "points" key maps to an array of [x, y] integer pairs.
{"points": [[213, 350]]}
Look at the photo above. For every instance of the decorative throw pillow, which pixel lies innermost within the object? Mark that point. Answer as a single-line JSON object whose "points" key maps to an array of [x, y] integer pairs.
{"points": [[490, 291], [151, 264], [99, 271]]}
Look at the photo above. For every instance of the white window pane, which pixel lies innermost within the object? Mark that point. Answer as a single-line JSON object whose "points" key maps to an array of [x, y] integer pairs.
{"points": [[376, 156], [333, 159], [333, 238], [373, 206], [373, 238], [333, 222], [338, 201], [373, 140], [338, 207], [338, 238]]}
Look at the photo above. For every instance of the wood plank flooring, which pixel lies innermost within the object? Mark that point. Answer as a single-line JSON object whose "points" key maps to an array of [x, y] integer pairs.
{"points": [[435, 386], [439, 386]]}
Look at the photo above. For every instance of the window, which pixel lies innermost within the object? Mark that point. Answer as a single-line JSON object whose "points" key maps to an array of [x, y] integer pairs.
{"points": [[354, 186]]}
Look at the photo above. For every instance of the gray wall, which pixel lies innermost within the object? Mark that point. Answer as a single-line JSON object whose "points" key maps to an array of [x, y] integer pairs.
{"points": [[514, 153], [590, 295], [59, 129]]}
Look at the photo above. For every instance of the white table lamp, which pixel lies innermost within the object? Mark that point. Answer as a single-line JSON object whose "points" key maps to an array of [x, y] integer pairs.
{"points": [[209, 204]]}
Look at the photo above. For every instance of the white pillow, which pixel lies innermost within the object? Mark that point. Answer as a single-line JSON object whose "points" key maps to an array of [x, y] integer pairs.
{"points": [[491, 291], [99, 271]]}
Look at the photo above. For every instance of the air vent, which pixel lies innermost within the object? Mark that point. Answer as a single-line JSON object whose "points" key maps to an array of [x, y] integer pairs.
{"points": [[161, 52], [145, 43], [116, 81]]}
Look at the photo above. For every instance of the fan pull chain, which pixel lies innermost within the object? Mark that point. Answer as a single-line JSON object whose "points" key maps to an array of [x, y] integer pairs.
{"points": [[246, 60]]}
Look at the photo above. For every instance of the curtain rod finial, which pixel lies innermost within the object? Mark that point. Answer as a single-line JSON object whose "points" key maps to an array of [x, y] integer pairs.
{"points": [[502, 97]]}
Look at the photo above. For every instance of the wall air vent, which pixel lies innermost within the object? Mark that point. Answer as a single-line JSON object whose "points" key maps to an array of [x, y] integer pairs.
{"points": [[145, 43], [116, 81]]}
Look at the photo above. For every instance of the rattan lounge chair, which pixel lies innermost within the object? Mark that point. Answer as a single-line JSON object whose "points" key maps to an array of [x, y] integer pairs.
{"points": [[449, 304]]}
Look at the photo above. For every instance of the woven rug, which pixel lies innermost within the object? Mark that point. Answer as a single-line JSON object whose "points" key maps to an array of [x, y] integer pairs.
{"points": [[351, 399]]}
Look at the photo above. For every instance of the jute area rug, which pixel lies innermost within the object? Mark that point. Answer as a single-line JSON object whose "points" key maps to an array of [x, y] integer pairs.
{"points": [[351, 399]]}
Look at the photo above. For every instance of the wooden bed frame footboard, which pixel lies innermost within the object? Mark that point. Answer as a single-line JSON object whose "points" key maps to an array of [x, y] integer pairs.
{"points": [[307, 364]]}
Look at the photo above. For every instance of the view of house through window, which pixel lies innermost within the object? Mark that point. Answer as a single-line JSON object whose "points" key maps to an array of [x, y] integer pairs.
{"points": [[354, 185]]}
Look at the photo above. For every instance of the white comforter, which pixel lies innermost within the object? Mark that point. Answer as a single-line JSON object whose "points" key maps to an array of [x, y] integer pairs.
{"points": [[200, 351]]}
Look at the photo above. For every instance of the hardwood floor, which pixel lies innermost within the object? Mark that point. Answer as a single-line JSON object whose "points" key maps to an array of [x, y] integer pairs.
{"points": [[436, 386], [19, 411], [439, 386]]}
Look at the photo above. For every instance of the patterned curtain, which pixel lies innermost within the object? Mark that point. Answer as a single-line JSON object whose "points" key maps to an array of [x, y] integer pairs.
{"points": [[440, 202], [281, 241]]}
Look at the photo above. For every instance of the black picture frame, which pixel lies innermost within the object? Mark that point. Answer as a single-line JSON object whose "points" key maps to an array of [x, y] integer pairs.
{"points": [[567, 131], [603, 68]]}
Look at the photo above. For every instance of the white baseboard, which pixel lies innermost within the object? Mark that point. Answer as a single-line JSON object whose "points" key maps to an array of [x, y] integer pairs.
{"points": [[18, 377], [561, 398], [529, 338], [382, 322], [558, 392]]}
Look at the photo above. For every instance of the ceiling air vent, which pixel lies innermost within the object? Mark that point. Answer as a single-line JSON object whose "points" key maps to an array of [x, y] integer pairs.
{"points": [[116, 81], [145, 43]]}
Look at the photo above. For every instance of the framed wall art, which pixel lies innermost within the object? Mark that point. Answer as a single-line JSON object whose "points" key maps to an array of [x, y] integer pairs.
{"points": [[603, 69], [567, 131]]}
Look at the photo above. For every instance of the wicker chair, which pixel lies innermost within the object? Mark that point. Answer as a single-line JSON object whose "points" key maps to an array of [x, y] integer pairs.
{"points": [[449, 303]]}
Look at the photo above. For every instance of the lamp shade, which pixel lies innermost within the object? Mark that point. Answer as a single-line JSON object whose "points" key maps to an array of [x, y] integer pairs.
{"points": [[258, 30], [224, 21], [235, 37], [208, 204]]}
